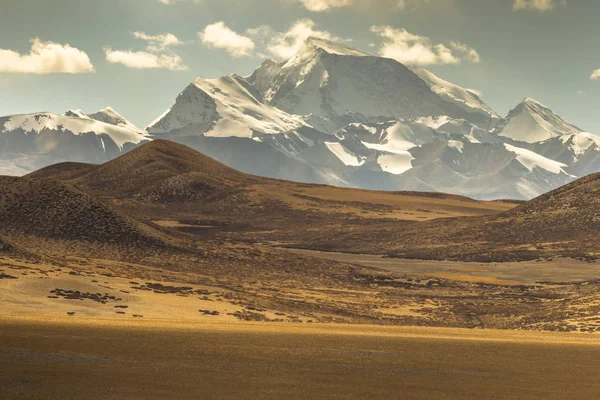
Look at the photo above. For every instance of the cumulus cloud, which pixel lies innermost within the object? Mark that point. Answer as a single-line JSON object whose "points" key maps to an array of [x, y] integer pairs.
{"points": [[157, 55], [145, 60], [416, 50], [468, 52], [219, 36], [323, 5], [263, 41], [46, 58], [158, 43], [284, 45], [538, 5], [595, 75]]}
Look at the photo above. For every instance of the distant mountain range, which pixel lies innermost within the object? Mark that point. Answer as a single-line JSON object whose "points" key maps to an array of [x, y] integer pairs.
{"points": [[333, 115]]}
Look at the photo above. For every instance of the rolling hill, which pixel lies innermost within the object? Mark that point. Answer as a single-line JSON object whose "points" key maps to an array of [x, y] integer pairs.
{"points": [[168, 185]]}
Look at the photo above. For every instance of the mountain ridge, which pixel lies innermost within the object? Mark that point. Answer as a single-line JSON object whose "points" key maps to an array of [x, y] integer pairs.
{"points": [[336, 115]]}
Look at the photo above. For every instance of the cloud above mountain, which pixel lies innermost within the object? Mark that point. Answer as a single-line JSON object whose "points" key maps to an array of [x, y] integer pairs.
{"points": [[284, 45], [158, 43], [219, 36], [263, 41], [416, 50], [46, 58], [157, 55]]}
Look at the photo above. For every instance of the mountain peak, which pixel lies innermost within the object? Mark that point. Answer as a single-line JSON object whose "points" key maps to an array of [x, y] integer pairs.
{"points": [[533, 122], [76, 114], [315, 43], [533, 103], [108, 115]]}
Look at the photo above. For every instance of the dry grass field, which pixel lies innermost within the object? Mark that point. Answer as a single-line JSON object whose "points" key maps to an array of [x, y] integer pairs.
{"points": [[45, 358]]}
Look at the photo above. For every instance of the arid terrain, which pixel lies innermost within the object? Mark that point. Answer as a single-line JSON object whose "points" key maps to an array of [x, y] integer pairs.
{"points": [[45, 358], [165, 231], [120, 253]]}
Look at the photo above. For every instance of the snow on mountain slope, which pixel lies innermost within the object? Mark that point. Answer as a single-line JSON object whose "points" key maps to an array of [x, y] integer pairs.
{"points": [[32, 141], [43, 122], [77, 114], [345, 156], [581, 142], [460, 128], [484, 170], [110, 116], [533, 160], [454, 93], [394, 137], [533, 122], [223, 107], [331, 80]]}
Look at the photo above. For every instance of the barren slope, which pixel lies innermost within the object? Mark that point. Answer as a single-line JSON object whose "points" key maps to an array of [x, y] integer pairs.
{"points": [[57, 211]]}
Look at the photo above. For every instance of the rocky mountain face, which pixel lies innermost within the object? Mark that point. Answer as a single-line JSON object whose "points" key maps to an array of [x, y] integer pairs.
{"points": [[334, 115]]}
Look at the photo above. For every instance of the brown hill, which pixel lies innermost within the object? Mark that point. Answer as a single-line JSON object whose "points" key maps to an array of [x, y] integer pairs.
{"points": [[564, 222], [189, 194], [57, 211], [162, 173], [573, 209], [159, 171], [62, 171]]}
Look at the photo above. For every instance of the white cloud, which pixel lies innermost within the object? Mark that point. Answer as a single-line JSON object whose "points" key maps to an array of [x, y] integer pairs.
{"points": [[323, 5], [263, 41], [595, 75], [46, 58], [158, 43], [158, 54], [145, 60], [468, 52], [218, 35], [285, 45], [581, 93], [538, 5], [416, 50]]}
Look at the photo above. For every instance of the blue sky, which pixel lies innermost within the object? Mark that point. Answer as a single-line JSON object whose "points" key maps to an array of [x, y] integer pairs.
{"points": [[137, 55]]}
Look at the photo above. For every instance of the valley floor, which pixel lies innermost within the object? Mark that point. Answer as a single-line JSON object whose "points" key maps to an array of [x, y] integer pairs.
{"points": [[558, 270], [559, 295], [60, 357]]}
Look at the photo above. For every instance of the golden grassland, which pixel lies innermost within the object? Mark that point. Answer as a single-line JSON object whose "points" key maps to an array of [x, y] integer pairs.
{"points": [[60, 357]]}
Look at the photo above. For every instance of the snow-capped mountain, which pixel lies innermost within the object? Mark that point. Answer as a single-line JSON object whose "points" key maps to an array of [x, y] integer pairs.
{"points": [[464, 98], [330, 80], [109, 116], [31, 141], [532, 122], [225, 107], [334, 115]]}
